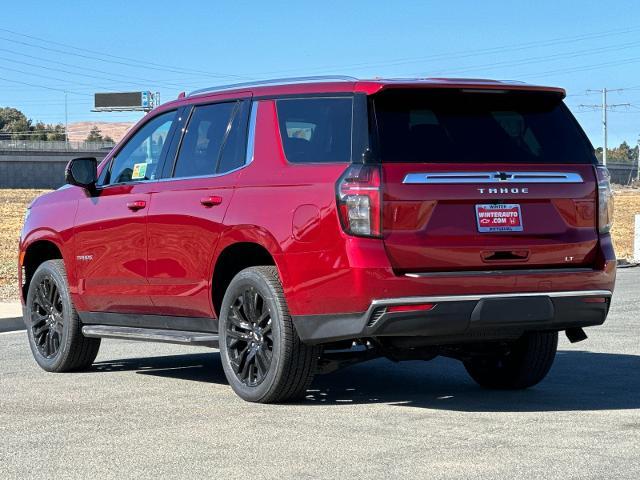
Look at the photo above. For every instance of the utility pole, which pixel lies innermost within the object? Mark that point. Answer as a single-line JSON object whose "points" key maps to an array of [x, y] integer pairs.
{"points": [[605, 108], [66, 119], [604, 126], [638, 162]]}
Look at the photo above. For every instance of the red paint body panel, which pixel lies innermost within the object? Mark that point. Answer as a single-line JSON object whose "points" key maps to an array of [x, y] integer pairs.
{"points": [[160, 259], [183, 234], [433, 227], [113, 238]]}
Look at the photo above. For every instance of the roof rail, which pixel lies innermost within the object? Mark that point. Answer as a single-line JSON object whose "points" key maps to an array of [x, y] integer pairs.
{"points": [[274, 81]]}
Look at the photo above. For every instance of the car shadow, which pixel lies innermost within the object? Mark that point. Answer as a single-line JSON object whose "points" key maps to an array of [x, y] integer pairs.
{"points": [[579, 380]]}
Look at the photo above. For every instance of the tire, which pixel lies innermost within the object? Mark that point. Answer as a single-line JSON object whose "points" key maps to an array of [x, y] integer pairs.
{"points": [[526, 364], [262, 355], [53, 325]]}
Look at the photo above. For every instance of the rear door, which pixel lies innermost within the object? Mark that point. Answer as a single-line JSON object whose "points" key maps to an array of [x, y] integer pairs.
{"points": [[187, 210], [480, 180]]}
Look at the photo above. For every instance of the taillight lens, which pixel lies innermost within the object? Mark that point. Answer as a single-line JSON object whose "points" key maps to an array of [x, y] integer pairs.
{"points": [[605, 200], [359, 200]]}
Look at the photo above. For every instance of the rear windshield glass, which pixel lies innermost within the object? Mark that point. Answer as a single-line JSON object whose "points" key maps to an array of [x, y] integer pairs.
{"points": [[316, 129], [455, 126]]}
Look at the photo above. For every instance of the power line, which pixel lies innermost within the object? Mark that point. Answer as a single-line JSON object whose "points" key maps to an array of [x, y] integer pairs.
{"points": [[585, 68], [541, 59], [75, 82], [146, 80], [475, 52], [120, 60], [40, 86]]}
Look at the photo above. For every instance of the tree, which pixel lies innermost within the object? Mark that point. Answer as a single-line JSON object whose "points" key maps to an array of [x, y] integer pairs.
{"points": [[13, 124], [621, 154], [95, 135]]}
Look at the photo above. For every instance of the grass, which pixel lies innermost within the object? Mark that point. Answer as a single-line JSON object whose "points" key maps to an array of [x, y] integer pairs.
{"points": [[13, 204]]}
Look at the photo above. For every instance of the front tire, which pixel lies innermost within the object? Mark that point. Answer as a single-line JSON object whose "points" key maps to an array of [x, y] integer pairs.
{"points": [[526, 363], [262, 355], [53, 325]]}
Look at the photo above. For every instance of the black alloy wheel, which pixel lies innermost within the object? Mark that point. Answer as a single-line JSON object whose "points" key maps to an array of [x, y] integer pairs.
{"points": [[261, 352], [249, 337], [53, 326], [47, 317]]}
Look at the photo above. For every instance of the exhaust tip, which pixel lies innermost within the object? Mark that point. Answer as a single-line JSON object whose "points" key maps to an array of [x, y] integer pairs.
{"points": [[575, 335]]}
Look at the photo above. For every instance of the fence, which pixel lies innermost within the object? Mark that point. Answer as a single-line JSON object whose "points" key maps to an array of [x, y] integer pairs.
{"points": [[55, 146], [623, 173]]}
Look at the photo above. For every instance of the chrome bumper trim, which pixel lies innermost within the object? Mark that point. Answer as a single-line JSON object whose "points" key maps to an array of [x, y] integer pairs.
{"points": [[474, 298]]}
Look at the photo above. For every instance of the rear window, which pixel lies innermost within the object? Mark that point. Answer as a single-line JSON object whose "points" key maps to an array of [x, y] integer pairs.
{"points": [[316, 130], [454, 126]]}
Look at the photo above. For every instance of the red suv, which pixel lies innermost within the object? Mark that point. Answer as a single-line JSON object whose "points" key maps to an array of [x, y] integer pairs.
{"points": [[301, 225]]}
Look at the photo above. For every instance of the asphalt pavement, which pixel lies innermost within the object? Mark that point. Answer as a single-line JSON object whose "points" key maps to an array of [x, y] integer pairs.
{"points": [[163, 411]]}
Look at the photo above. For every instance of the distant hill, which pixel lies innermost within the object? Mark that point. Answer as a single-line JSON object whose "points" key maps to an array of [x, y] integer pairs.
{"points": [[78, 131]]}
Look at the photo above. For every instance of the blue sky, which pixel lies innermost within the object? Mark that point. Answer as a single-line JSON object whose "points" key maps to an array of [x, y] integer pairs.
{"points": [[171, 46]]}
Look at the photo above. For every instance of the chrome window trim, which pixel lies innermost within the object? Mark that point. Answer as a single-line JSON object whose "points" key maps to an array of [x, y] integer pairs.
{"points": [[248, 156], [251, 134], [441, 178], [212, 175], [475, 298]]}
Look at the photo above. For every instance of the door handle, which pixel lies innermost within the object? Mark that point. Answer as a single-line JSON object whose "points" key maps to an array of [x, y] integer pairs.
{"points": [[136, 205], [211, 201]]}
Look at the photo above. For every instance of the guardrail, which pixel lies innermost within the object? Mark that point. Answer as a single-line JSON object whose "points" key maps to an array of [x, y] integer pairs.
{"points": [[58, 146]]}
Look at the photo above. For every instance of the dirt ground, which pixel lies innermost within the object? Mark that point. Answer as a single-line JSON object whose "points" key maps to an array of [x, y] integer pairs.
{"points": [[13, 204], [627, 206]]}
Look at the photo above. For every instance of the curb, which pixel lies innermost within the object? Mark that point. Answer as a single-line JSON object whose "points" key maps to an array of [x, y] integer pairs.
{"points": [[11, 324], [623, 263], [11, 317]]}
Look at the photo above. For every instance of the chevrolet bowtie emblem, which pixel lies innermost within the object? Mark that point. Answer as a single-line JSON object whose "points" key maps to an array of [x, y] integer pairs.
{"points": [[503, 176]]}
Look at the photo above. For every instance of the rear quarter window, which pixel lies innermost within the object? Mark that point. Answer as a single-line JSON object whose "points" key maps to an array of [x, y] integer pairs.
{"points": [[316, 130]]}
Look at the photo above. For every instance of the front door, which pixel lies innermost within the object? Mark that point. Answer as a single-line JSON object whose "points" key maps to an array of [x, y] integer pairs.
{"points": [[111, 226]]}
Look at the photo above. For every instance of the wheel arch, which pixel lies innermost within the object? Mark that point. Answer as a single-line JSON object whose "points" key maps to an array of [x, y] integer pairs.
{"points": [[33, 255], [234, 256]]}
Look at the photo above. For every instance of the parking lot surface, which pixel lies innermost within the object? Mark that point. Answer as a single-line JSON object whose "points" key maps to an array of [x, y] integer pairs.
{"points": [[151, 410]]}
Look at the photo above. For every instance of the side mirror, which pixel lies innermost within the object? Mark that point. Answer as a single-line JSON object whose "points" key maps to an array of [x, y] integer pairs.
{"points": [[82, 172]]}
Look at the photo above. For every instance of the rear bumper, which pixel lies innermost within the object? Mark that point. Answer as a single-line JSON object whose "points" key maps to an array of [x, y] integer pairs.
{"points": [[461, 318]]}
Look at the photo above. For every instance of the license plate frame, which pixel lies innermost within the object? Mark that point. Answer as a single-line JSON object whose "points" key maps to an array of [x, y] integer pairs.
{"points": [[497, 218]]}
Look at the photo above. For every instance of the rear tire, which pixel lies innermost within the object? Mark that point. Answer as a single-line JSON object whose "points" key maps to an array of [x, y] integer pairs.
{"points": [[53, 325], [262, 355], [528, 361]]}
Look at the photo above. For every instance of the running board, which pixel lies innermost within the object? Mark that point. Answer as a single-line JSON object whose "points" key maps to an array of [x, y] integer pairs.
{"points": [[182, 337]]}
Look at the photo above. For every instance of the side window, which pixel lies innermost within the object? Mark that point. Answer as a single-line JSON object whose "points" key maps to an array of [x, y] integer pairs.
{"points": [[204, 138], [316, 129], [234, 150], [139, 158]]}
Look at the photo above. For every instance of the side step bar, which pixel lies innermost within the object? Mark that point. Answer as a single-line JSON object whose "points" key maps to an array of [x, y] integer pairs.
{"points": [[152, 335]]}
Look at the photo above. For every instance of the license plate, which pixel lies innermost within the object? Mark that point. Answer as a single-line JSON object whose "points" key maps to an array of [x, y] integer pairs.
{"points": [[499, 218]]}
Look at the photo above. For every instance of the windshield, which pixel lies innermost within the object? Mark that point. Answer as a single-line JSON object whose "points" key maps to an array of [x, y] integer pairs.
{"points": [[480, 127]]}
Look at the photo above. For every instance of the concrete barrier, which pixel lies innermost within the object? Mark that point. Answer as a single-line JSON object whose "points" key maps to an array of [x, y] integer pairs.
{"points": [[37, 169], [636, 241]]}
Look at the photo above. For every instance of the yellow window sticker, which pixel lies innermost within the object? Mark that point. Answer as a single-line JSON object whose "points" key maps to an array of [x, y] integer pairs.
{"points": [[139, 171]]}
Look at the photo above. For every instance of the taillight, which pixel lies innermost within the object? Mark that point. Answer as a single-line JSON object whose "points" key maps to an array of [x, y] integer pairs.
{"points": [[359, 200], [605, 200]]}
